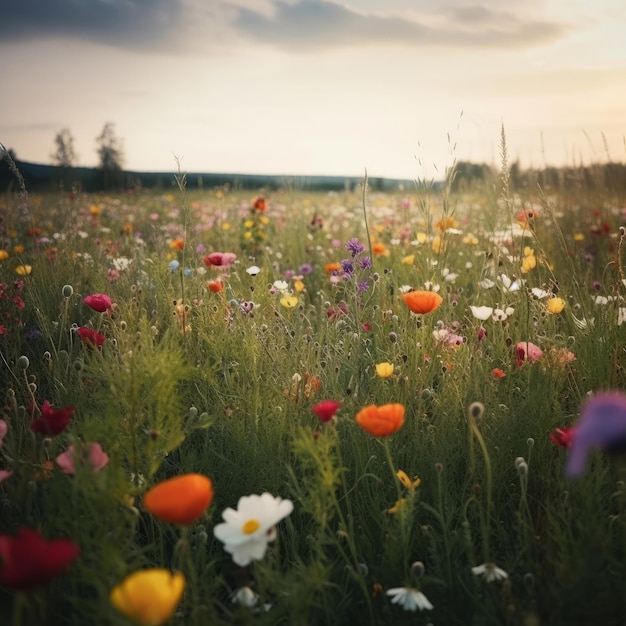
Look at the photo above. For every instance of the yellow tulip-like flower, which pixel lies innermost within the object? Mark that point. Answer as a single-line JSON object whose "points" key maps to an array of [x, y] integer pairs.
{"points": [[397, 507], [150, 596], [437, 244], [555, 305], [408, 260], [289, 302], [19, 249], [411, 485], [23, 270], [384, 370], [298, 285], [529, 262]]}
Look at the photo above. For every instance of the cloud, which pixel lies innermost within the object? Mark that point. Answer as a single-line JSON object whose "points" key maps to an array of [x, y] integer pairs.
{"points": [[128, 23], [306, 25]]}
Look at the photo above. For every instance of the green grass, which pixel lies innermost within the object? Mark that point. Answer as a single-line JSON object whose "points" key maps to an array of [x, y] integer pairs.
{"points": [[189, 381]]}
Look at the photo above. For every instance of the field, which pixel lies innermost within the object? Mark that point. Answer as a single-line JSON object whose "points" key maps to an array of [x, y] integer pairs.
{"points": [[402, 375]]}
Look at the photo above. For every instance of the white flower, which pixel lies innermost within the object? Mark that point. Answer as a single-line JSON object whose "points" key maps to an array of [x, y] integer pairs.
{"points": [[246, 597], [621, 316], [246, 531], [121, 263], [481, 312], [486, 283], [253, 270], [281, 286], [508, 284], [540, 293], [500, 315], [409, 598], [490, 572]]}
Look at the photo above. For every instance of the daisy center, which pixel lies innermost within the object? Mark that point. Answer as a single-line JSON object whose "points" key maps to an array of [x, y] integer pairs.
{"points": [[251, 526]]}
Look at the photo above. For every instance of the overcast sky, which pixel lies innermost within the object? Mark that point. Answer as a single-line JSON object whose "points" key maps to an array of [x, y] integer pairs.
{"points": [[400, 87]]}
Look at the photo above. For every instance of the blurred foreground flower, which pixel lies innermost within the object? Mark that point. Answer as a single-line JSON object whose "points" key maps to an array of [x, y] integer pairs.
{"points": [[180, 500], [52, 421], [247, 530], [28, 561], [490, 572], [90, 454], [602, 425], [149, 597], [99, 302], [326, 409], [562, 437], [409, 598], [381, 421], [422, 301]]}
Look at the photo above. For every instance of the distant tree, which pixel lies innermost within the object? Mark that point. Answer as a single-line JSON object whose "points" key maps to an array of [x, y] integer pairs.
{"points": [[64, 156], [110, 154]]}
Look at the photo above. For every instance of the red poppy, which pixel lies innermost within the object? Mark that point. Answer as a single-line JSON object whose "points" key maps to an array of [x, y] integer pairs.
{"points": [[422, 301], [91, 337], [99, 302], [260, 204], [562, 437], [219, 259], [496, 372], [52, 421], [28, 561], [326, 409], [215, 286]]}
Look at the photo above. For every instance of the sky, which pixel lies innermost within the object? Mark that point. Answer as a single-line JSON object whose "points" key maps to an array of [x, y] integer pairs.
{"points": [[400, 88]]}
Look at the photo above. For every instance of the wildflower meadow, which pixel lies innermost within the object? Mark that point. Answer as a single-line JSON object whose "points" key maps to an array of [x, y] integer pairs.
{"points": [[291, 407]]}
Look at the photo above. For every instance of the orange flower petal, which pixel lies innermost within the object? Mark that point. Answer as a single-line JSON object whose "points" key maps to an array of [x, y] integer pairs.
{"points": [[422, 301], [381, 421], [180, 500]]}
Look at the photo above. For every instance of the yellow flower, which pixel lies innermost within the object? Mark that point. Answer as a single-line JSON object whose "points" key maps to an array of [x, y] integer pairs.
{"points": [[555, 305], [264, 220], [411, 485], [225, 226], [470, 240], [94, 209], [248, 223], [384, 370], [408, 260], [579, 237], [4, 255], [529, 261], [247, 235], [219, 193], [298, 285], [437, 244], [150, 596], [18, 249], [23, 270], [289, 301], [421, 237], [397, 507]]}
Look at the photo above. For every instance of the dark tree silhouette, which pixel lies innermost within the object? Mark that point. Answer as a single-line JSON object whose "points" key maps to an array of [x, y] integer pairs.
{"points": [[64, 155], [111, 156]]}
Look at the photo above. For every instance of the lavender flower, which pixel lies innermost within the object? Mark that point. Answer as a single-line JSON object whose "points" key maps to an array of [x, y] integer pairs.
{"points": [[363, 286], [347, 266], [602, 424], [366, 263], [355, 247], [305, 269]]}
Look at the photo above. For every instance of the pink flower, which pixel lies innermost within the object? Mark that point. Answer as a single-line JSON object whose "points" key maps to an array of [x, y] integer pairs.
{"points": [[326, 409], [4, 474], [527, 351], [99, 302], [219, 259], [91, 337], [3, 430], [91, 453], [562, 437]]}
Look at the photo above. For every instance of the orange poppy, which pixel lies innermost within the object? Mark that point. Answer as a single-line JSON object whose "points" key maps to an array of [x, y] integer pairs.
{"points": [[177, 244], [332, 267], [422, 301], [379, 248], [381, 421], [215, 286], [180, 500]]}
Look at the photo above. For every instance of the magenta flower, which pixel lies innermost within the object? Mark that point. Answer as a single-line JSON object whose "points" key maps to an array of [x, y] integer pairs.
{"points": [[602, 425], [86, 454], [99, 302], [91, 337], [52, 421], [3, 430], [527, 351], [4, 474], [326, 409], [219, 259]]}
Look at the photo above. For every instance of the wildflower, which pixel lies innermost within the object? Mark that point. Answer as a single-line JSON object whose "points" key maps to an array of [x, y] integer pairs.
{"points": [[23, 270], [52, 421], [527, 351], [260, 204], [411, 485], [555, 305], [247, 530], [496, 372], [380, 249], [173, 266], [215, 286], [245, 597], [3, 431], [422, 301], [481, 312], [384, 370], [177, 244], [563, 437], [408, 260], [397, 507], [289, 302], [91, 453], [329, 268], [99, 302], [91, 337], [305, 269], [150, 596], [253, 270], [4, 474], [381, 421], [180, 500], [28, 561], [602, 424], [354, 247], [409, 598], [220, 259], [490, 572], [529, 262], [326, 409], [4, 255]]}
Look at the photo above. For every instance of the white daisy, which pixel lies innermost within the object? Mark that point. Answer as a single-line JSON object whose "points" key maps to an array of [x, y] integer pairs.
{"points": [[409, 598], [247, 530], [490, 572], [481, 312]]}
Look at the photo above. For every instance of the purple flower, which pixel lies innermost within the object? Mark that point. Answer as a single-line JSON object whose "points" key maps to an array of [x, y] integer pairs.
{"points": [[347, 266], [355, 247], [363, 286], [366, 263], [602, 424], [305, 269]]}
